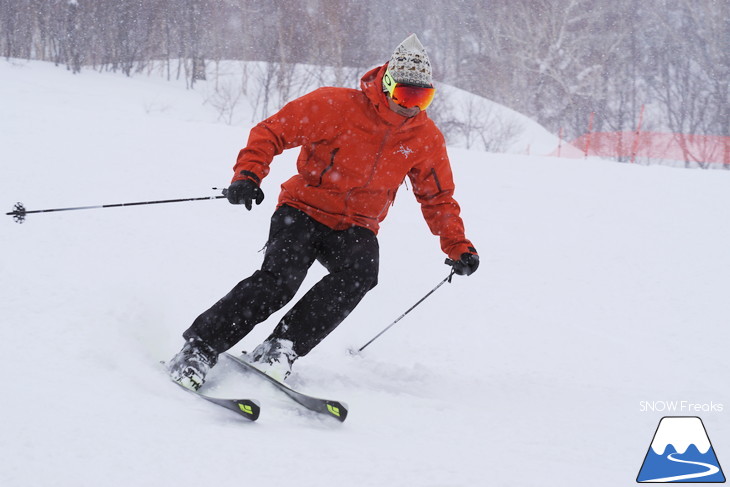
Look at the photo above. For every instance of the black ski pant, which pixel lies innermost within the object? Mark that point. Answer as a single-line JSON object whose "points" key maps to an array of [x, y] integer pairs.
{"points": [[295, 241]]}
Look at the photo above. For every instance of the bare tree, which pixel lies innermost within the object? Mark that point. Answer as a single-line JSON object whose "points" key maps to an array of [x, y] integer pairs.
{"points": [[558, 61], [690, 77]]}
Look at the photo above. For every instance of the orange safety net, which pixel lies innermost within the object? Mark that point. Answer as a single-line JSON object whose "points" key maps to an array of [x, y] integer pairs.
{"points": [[633, 146]]}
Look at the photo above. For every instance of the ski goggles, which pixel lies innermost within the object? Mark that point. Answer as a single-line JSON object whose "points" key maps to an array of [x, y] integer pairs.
{"points": [[408, 96]]}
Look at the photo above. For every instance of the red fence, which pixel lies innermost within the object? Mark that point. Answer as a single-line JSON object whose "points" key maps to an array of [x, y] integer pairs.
{"points": [[702, 150]]}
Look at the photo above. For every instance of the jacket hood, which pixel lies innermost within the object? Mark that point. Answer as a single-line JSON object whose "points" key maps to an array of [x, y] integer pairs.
{"points": [[372, 85]]}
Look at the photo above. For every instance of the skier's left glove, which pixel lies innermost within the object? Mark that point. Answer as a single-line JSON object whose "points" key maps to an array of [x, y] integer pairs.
{"points": [[466, 265]]}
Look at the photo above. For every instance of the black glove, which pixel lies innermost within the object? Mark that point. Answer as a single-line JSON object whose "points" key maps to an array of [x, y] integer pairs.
{"points": [[244, 191], [466, 265]]}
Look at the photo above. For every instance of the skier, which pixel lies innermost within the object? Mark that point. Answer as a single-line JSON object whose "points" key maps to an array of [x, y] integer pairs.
{"points": [[357, 147]]}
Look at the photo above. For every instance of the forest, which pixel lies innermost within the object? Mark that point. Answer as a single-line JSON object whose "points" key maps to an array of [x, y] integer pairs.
{"points": [[564, 63]]}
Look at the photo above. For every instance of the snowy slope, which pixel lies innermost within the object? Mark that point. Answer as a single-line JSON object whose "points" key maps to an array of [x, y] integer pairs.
{"points": [[602, 285]]}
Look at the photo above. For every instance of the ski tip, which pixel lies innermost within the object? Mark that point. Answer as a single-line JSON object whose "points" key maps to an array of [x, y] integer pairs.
{"points": [[250, 409], [337, 410]]}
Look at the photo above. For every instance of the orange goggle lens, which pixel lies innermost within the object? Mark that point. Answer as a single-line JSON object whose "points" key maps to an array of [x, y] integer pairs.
{"points": [[412, 96], [408, 96]]}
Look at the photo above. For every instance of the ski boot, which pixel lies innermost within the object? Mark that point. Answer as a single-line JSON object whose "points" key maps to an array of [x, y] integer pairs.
{"points": [[274, 357], [191, 364]]}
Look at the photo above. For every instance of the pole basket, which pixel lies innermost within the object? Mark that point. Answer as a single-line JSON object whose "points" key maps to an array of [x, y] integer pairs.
{"points": [[18, 213]]}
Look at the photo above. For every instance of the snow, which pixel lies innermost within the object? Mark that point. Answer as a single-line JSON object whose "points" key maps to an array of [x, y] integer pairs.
{"points": [[601, 285]]}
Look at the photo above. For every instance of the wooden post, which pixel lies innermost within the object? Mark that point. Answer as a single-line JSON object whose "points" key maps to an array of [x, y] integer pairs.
{"points": [[560, 140], [637, 133], [590, 130]]}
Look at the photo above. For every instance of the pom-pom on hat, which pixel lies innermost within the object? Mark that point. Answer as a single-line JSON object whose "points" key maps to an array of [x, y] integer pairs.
{"points": [[409, 63]]}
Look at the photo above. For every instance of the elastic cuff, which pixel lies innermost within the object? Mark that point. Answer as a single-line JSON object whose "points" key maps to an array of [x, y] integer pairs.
{"points": [[248, 175], [457, 251]]}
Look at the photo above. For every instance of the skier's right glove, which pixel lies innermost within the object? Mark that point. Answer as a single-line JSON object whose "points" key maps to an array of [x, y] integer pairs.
{"points": [[466, 265], [244, 192]]}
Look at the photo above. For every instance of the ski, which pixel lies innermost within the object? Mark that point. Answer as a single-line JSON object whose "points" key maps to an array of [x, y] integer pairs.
{"points": [[247, 408], [334, 409]]}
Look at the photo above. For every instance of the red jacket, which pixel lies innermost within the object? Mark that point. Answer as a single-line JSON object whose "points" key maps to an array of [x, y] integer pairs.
{"points": [[355, 154]]}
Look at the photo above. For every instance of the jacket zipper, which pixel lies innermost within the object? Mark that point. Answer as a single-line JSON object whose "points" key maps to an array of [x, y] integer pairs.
{"points": [[324, 171], [436, 180], [378, 156]]}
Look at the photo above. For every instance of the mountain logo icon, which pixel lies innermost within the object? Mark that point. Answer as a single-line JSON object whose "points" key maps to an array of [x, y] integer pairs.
{"points": [[680, 452]]}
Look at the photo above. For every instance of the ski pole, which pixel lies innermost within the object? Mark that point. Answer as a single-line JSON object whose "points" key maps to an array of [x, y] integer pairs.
{"points": [[19, 212], [446, 279]]}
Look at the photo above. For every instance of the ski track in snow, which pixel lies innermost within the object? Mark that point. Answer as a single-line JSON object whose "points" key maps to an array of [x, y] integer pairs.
{"points": [[600, 284]]}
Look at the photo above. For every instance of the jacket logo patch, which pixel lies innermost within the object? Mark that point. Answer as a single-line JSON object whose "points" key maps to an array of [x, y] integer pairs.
{"points": [[406, 151]]}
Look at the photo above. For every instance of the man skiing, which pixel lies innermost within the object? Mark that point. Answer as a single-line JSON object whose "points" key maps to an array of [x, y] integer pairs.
{"points": [[357, 147]]}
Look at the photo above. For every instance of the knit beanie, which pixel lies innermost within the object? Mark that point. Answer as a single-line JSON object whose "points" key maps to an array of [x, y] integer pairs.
{"points": [[409, 63]]}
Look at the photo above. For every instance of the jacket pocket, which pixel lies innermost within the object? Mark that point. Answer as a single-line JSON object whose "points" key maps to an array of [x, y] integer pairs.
{"points": [[435, 179], [327, 168]]}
